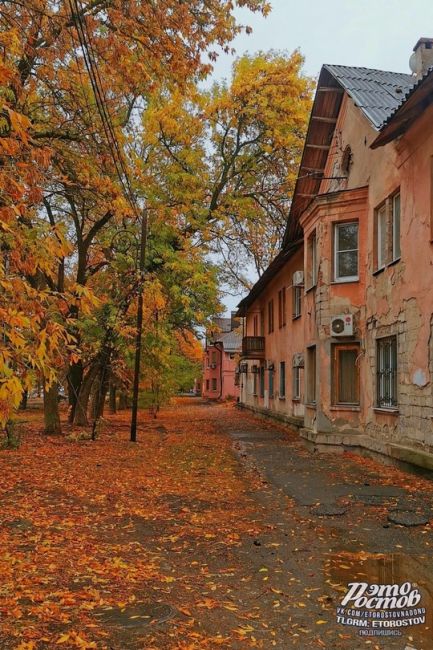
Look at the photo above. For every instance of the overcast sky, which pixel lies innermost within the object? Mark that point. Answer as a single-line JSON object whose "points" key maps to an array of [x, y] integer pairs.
{"points": [[371, 33]]}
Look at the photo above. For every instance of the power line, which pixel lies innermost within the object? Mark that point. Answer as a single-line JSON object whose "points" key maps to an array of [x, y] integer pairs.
{"points": [[101, 101]]}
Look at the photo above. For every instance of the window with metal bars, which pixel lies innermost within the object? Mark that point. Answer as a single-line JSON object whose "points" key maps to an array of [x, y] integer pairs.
{"points": [[387, 372]]}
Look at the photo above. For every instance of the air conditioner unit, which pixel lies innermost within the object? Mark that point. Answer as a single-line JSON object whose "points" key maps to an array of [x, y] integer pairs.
{"points": [[270, 365], [298, 278], [342, 325], [213, 365]]}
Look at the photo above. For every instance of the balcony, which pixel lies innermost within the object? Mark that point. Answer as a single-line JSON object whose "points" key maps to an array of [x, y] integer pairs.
{"points": [[253, 347]]}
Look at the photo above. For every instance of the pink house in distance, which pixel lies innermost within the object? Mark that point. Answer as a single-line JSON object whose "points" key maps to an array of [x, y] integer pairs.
{"points": [[220, 360]]}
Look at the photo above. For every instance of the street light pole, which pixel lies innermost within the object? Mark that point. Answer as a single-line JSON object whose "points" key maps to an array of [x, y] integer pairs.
{"points": [[141, 268]]}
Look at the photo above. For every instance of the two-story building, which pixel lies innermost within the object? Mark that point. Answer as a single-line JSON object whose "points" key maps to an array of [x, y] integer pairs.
{"points": [[339, 329], [220, 360]]}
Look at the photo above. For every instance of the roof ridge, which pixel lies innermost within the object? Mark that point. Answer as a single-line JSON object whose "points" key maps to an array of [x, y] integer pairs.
{"points": [[417, 82], [361, 67]]}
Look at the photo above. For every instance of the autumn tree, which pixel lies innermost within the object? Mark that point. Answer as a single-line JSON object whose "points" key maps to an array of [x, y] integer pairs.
{"points": [[59, 172], [257, 127], [228, 158]]}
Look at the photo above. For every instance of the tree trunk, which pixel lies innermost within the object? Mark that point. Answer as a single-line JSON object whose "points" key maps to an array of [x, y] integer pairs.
{"points": [[24, 398], [112, 397], [102, 394], [123, 401], [82, 404], [75, 379], [51, 410], [94, 398]]}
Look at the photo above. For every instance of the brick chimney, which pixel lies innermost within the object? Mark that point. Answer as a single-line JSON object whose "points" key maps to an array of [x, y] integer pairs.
{"points": [[422, 57]]}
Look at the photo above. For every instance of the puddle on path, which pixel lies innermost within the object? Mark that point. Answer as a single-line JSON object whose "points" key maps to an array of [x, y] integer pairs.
{"points": [[394, 570]]}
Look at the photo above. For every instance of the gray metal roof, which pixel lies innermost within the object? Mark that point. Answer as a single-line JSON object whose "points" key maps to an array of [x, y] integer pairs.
{"points": [[418, 81], [223, 324], [232, 341], [376, 92]]}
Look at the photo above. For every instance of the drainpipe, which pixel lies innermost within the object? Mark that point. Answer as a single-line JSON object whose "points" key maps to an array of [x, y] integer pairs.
{"points": [[221, 349]]}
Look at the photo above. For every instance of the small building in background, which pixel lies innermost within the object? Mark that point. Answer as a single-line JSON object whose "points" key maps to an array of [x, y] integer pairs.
{"points": [[220, 359]]}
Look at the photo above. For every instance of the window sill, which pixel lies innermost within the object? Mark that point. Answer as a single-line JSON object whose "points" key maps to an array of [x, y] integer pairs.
{"points": [[296, 399], [386, 411], [296, 317], [282, 399], [345, 407], [313, 286], [396, 261], [343, 281], [382, 268], [311, 405]]}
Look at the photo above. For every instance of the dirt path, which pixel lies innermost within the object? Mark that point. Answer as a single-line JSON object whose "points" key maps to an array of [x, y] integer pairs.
{"points": [[203, 535]]}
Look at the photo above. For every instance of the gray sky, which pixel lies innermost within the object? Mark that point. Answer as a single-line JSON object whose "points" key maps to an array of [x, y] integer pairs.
{"points": [[370, 33]]}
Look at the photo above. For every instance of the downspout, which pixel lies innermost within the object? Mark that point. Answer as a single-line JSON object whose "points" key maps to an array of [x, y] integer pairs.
{"points": [[221, 349]]}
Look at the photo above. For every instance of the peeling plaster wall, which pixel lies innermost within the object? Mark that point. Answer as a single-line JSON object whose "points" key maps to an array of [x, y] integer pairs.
{"points": [[329, 299], [400, 299], [397, 300]]}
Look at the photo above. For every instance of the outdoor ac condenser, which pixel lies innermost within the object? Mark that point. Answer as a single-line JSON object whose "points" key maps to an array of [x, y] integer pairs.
{"points": [[342, 325]]}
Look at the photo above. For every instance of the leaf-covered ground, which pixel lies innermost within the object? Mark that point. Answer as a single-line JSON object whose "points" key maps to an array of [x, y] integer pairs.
{"points": [[172, 543]]}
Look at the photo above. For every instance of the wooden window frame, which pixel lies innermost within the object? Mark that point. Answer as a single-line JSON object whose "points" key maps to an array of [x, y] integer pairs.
{"points": [[271, 381], [262, 381], [297, 301], [271, 316], [282, 378], [282, 307], [296, 381], [311, 383], [394, 255], [392, 251], [336, 373], [312, 266], [255, 325], [345, 278]]}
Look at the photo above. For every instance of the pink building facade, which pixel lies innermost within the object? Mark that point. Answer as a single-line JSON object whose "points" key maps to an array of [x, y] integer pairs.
{"points": [[220, 361], [338, 333]]}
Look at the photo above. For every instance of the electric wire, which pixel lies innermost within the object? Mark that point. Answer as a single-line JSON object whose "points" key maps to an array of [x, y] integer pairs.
{"points": [[101, 101]]}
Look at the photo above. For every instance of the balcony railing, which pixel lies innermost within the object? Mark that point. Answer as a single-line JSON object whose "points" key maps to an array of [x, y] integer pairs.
{"points": [[253, 347]]}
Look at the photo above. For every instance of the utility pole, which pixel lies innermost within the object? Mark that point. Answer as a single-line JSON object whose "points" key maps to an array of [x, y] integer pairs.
{"points": [[141, 268]]}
